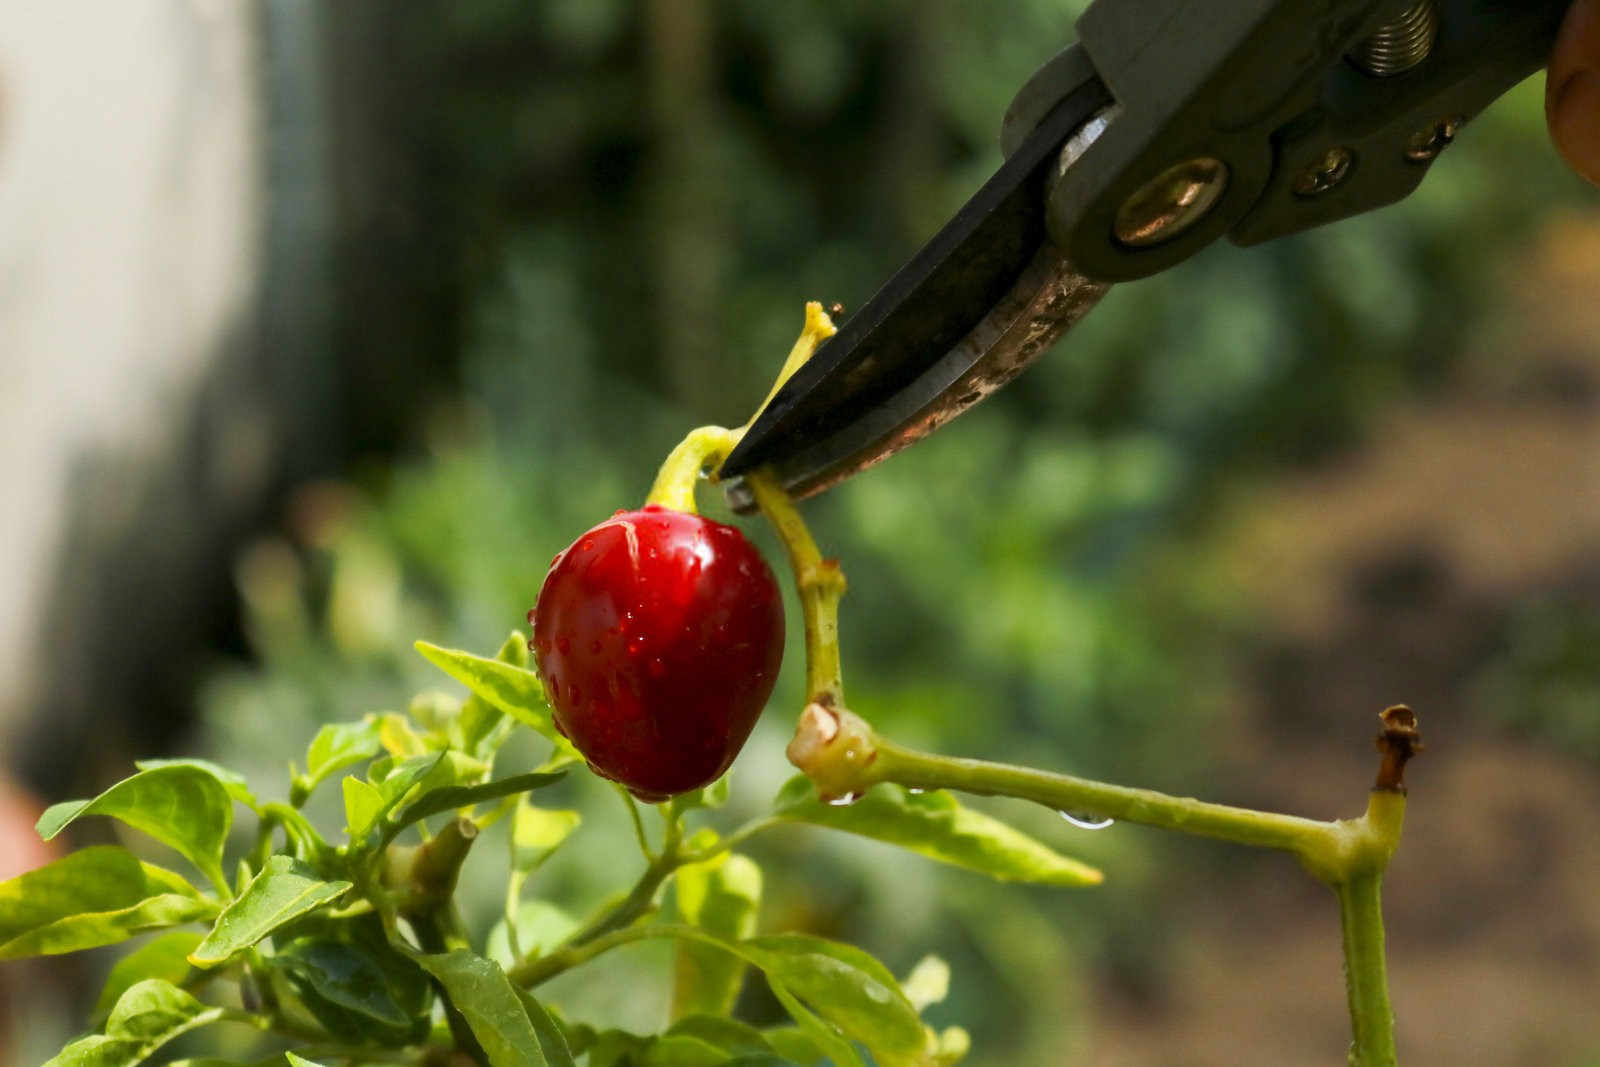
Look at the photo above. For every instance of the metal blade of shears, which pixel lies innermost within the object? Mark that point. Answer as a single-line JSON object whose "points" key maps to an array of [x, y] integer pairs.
{"points": [[981, 300]]}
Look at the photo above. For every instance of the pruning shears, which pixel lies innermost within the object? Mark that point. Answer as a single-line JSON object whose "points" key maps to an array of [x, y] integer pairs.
{"points": [[1169, 124]]}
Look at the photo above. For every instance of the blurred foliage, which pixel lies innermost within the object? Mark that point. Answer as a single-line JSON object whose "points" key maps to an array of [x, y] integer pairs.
{"points": [[632, 202]]}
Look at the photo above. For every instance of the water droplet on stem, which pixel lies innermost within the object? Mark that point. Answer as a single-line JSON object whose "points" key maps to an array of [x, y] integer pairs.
{"points": [[1086, 822]]}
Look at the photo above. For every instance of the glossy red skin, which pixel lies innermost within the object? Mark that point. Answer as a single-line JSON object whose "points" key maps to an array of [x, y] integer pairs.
{"points": [[658, 635]]}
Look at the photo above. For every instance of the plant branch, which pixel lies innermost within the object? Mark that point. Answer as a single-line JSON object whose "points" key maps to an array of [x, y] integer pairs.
{"points": [[547, 967], [845, 757], [638, 823], [1366, 979], [735, 839], [430, 884]]}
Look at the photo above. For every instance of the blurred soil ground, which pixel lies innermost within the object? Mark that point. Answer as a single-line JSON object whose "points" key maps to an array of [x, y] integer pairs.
{"points": [[1392, 576]]}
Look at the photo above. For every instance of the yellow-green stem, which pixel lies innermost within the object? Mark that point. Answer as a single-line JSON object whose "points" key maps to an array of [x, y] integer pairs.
{"points": [[704, 448], [817, 329], [1366, 979], [844, 756], [820, 584]]}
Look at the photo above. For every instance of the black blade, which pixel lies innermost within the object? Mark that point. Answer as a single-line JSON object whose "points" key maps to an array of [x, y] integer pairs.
{"points": [[925, 310]]}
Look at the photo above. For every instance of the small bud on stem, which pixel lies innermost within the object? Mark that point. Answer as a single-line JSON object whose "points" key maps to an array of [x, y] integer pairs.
{"points": [[836, 749]]}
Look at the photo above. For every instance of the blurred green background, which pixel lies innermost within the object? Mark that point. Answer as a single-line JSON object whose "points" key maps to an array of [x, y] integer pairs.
{"points": [[1244, 506]]}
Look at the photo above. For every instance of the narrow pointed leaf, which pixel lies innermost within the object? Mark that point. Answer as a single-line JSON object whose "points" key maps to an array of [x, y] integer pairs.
{"points": [[483, 726], [231, 780], [488, 1001], [847, 987], [362, 803], [146, 1017], [284, 890], [299, 1061], [551, 1040], [387, 995], [165, 957], [460, 796], [679, 1050], [836, 992], [826, 1036], [95, 896], [793, 1043], [730, 1035], [181, 805], [935, 825], [514, 690]]}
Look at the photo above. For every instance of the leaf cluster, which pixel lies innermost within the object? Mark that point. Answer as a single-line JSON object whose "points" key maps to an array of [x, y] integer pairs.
{"points": [[348, 947]]}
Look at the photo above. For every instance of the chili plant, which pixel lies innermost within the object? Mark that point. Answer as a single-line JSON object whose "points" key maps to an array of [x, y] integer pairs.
{"points": [[345, 945]]}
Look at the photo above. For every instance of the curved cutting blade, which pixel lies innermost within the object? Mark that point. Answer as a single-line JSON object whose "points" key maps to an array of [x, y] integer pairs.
{"points": [[979, 302]]}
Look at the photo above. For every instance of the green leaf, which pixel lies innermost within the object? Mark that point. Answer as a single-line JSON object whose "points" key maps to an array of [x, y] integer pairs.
{"points": [[541, 926], [483, 727], [416, 775], [928, 983], [488, 1001], [231, 780], [299, 1061], [339, 745], [847, 987], [836, 992], [284, 890], [537, 832], [147, 1016], [730, 1035], [460, 796], [551, 1040], [615, 1048], [514, 690], [393, 784], [720, 896], [92, 897], [358, 991], [708, 796], [825, 1036], [398, 738], [679, 1051], [181, 805], [165, 957], [362, 803], [794, 1043], [937, 826]]}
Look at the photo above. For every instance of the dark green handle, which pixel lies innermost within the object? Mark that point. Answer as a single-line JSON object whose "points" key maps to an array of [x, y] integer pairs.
{"points": [[1275, 92]]}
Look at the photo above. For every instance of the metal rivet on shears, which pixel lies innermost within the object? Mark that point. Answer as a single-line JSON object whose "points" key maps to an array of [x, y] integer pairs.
{"points": [[1431, 140], [1328, 171], [1171, 202]]}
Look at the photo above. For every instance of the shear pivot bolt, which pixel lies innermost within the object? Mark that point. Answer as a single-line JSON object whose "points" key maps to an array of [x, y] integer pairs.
{"points": [[1171, 202]]}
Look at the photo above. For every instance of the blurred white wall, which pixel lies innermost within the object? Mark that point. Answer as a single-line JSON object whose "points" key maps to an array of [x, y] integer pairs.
{"points": [[129, 207]]}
